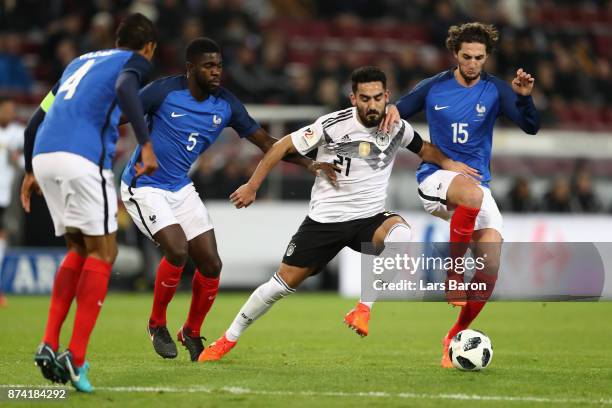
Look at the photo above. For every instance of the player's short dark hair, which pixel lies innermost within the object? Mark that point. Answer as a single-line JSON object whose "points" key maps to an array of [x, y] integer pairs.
{"points": [[135, 31], [368, 74], [4, 99], [199, 46], [475, 32]]}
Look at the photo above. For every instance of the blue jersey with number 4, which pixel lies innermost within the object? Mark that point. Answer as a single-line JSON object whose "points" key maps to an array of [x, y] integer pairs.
{"points": [[84, 116], [182, 128], [461, 119]]}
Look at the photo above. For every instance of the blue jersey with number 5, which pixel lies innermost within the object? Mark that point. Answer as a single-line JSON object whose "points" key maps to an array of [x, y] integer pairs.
{"points": [[461, 119], [182, 128], [84, 116]]}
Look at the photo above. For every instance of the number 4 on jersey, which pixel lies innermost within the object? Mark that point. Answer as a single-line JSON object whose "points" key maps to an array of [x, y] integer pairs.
{"points": [[71, 83]]}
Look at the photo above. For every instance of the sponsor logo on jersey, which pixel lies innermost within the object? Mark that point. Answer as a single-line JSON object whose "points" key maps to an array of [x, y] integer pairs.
{"points": [[436, 107], [290, 248], [217, 120], [153, 218], [345, 139]]}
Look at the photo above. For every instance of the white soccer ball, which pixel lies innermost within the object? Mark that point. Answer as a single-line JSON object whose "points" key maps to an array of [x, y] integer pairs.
{"points": [[470, 350]]}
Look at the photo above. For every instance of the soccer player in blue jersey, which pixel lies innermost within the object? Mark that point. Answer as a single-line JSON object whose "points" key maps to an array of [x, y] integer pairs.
{"points": [[461, 106], [69, 146], [186, 115]]}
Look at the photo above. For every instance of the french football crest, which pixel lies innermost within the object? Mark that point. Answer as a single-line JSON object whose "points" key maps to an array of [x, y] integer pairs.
{"points": [[481, 109], [217, 120]]}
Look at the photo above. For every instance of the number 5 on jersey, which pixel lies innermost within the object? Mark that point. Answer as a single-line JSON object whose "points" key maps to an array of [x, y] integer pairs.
{"points": [[460, 133], [192, 141]]}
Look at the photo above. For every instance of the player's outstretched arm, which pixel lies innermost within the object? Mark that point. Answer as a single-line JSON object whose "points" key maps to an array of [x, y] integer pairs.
{"points": [[245, 194], [432, 154], [516, 102], [264, 141]]}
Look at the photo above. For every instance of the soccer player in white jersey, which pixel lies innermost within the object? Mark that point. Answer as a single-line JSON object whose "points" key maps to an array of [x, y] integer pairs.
{"points": [[348, 212], [11, 145]]}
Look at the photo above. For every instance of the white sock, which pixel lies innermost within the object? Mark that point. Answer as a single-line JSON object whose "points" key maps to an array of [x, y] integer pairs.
{"points": [[368, 304], [399, 232], [259, 303]]}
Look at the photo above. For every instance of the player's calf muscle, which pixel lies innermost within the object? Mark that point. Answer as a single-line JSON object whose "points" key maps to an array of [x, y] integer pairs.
{"points": [[293, 275]]}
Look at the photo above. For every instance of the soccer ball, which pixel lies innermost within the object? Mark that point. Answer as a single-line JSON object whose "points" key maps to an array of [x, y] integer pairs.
{"points": [[470, 350]]}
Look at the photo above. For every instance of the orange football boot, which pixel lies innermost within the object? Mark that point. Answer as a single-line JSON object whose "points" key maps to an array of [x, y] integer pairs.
{"points": [[446, 361], [217, 349], [357, 319]]}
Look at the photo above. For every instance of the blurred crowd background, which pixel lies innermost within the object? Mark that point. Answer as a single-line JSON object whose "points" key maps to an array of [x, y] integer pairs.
{"points": [[300, 52]]}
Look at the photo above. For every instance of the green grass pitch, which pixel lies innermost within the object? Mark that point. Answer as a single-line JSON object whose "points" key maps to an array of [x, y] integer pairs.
{"points": [[300, 354]]}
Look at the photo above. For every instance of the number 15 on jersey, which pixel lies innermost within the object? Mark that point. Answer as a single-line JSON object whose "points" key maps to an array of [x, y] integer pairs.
{"points": [[460, 133]]}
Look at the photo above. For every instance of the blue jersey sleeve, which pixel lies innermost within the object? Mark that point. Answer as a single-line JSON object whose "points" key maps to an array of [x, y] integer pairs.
{"points": [[240, 120], [127, 97], [519, 109], [414, 101], [138, 65], [154, 94]]}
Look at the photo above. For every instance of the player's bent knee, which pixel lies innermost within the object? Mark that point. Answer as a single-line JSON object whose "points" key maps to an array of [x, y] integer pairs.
{"points": [[211, 269], [491, 265], [464, 192], [474, 196], [177, 252]]}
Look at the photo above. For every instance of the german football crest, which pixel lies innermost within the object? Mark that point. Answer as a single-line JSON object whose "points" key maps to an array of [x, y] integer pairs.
{"points": [[290, 249], [382, 139]]}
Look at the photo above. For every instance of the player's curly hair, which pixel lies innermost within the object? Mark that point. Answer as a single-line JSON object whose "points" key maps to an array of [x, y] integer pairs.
{"points": [[475, 32]]}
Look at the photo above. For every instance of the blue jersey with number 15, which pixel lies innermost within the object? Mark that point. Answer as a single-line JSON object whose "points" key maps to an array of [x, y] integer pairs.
{"points": [[84, 116], [461, 119], [182, 128]]}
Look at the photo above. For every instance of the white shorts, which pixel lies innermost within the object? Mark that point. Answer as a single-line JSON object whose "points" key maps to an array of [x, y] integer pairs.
{"points": [[153, 209], [432, 192], [76, 194]]}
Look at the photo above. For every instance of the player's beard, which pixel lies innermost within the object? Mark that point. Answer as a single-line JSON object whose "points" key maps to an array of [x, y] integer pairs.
{"points": [[468, 78], [370, 118], [206, 86]]}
